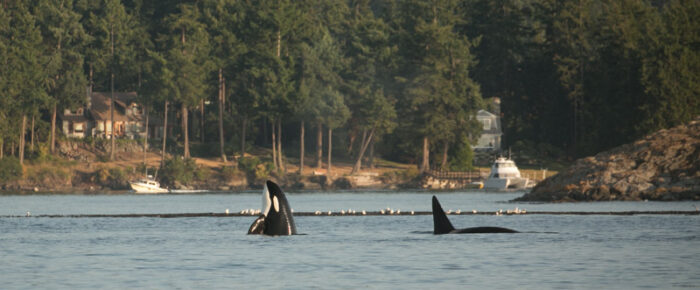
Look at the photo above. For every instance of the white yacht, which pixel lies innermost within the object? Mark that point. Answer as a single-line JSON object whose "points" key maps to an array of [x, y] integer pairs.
{"points": [[505, 175], [147, 185]]}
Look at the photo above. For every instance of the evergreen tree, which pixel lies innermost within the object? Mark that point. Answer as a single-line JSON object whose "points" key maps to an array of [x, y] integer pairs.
{"points": [[64, 40], [187, 54]]}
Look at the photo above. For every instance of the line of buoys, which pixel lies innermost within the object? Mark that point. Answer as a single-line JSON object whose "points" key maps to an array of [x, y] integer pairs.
{"points": [[250, 212]]}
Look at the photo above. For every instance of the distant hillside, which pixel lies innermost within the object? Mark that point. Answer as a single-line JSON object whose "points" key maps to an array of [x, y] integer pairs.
{"points": [[663, 166]]}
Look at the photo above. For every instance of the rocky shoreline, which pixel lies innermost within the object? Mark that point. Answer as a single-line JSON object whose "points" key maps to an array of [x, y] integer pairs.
{"points": [[663, 166]]}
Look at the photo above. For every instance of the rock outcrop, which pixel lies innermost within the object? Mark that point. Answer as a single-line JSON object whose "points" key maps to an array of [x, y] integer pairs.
{"points": [[663, 166]]}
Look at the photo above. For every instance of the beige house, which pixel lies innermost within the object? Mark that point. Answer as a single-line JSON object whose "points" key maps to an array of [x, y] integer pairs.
{"points": [[491, 134], [95, 118]]}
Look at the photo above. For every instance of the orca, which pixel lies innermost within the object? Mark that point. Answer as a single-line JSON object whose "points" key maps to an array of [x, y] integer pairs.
{"points": [[276, 216], [442, 224]]}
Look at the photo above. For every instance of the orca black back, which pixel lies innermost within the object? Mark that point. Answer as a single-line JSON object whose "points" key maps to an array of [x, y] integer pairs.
{"points": [[442, 225]]}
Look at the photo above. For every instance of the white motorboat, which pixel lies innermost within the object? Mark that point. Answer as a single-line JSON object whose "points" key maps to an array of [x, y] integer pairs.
{"points": [[505, 175], [147, 185]]}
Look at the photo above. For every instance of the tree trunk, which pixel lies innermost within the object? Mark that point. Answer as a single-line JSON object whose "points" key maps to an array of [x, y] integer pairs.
{"points": [[221, 117], [444, 156], [165, 133], [243, 129], [330, 147], [363, 147], [274, 145], [185, 133], [2, 148], [201, 131], [424, 166], [31, 144], [111, 114], [145, 138], [371, 155], [12, 149], [279, 145], [319, 146], [52, 144], [301, 149], [353, 136], [111, 98], [21, 139]]}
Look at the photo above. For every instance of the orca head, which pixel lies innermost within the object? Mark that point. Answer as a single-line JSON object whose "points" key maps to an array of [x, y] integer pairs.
{"points": [[276, 214], [441, 224], [274, 200]]}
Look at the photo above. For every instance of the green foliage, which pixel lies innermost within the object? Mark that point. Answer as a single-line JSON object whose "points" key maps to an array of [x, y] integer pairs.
{"points": [[179, 170], [580, 76], [255, 169], [49, 175], [10, 169], [462, 156]]}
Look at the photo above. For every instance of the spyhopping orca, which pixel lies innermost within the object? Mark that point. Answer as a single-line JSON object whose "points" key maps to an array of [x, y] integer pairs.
{"points": [[276, 215], [442, 225]]}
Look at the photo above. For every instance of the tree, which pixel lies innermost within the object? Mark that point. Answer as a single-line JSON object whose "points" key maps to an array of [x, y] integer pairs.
{"points": [[188, 48], [223, 19], [63, 42], [367, 52], [441, 95], [25, 80], [111, 53]]}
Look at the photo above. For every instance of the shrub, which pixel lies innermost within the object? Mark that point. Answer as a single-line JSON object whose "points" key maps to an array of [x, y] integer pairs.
{"points": [[115, 178], [182, 170], [255, 169], [10, 169], [462, 156]]}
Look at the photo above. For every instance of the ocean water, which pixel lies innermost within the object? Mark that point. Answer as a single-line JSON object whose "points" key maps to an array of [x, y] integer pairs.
{"points": [[376, 252]]}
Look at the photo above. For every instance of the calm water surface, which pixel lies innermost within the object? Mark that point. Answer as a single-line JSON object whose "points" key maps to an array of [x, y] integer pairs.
{"points": [[656, 251]]}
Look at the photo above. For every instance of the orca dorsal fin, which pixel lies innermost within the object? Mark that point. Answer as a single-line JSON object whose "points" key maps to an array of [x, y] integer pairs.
{"points": [[441, 223]]}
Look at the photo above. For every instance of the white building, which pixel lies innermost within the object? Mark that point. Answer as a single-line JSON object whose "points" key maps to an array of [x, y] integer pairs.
{"points": [[492, 134]]}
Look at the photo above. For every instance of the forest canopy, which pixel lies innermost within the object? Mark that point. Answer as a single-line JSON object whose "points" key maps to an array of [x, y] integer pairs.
{"points": [[404, 76]]}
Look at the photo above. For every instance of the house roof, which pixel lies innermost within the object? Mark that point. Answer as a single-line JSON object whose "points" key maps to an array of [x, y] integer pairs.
{"points": [[495, 127], [73, 118], [100, 105]]}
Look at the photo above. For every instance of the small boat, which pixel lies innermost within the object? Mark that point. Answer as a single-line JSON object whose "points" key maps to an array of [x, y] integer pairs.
{"points": [[147, 185], [505, 175]]}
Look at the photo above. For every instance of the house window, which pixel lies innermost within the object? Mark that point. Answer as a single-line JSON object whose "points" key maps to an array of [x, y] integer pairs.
{"points": [[487, 124], [78, 127]]}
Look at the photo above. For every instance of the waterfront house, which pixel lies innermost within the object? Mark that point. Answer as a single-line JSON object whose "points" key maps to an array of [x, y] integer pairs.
{"points": [[94, 119], [491, 134]]}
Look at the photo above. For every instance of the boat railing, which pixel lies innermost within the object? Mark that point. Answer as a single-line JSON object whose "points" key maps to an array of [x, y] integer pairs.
{"points": [[461, 175]]}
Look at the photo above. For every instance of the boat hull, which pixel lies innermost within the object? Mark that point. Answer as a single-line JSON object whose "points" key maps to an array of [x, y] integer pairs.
{"points": [[506, 183], [147, 189]]}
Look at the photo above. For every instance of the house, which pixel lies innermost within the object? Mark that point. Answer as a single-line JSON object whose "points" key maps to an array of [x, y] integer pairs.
{"points": [[95, 119], [74, 124], [491, 135]]}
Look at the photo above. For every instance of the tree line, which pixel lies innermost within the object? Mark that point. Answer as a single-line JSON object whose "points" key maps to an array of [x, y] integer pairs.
{"points": [[403, 78]]}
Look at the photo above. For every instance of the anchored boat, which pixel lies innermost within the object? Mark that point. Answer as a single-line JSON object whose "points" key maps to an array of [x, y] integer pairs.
{"points": [[505, 175], [147, 185]]}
